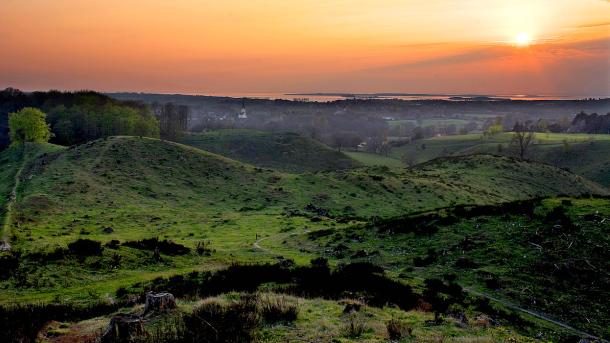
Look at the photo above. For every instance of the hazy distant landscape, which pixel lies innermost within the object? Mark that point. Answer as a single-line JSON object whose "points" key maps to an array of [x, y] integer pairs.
{"points": [[305, 171]]}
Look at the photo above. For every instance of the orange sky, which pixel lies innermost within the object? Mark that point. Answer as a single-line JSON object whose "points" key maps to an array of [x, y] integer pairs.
{"points": [[201, 46]]}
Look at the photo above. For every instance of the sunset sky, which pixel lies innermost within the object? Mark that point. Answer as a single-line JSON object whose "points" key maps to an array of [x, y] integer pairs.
{"points": [[556, 47]]}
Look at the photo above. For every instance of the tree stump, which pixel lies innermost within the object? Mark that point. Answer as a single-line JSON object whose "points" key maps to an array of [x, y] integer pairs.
{"points": [[5, 246], [123, 328], [159, 302]]}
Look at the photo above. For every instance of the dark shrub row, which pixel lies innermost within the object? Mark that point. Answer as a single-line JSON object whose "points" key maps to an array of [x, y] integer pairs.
{"points": [[357, 279], [165, 246], [21, 323]]}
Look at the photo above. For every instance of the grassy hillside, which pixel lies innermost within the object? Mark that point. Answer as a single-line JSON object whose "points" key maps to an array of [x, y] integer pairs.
{"points": [[87, 219], [135, 181], [129, 189], [550, 256], [281, 151], [13, 160], [374, 159], [583, 154]]}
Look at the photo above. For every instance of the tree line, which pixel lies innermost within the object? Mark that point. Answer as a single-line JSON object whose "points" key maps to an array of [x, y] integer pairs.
{"points": [[78, 117]]}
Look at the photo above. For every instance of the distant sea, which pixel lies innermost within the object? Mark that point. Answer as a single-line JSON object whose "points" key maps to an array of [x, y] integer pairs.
{"points": [[325, 97]]}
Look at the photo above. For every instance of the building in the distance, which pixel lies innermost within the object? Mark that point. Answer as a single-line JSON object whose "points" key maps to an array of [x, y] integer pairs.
{"points": [[242, 113]]}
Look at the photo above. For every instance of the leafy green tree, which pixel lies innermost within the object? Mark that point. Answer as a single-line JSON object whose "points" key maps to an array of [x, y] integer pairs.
{"points": [[28, 125]]}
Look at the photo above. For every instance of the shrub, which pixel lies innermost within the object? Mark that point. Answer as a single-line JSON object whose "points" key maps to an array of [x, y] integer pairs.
{"points": [[276, 309], [22, 323], [113, 244], [221, 321], [165, 246], [354, 325], [202, 249], [398, 329], [85, 247]]}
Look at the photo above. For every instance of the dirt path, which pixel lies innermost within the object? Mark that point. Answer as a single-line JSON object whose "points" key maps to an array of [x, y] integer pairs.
{"points": [[536, 314], [506, 303], [4, 242]]}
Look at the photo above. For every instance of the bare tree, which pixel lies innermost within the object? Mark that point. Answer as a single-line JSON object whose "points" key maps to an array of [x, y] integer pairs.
{"points": [[523, 138], [345, 139], [409, 159], [173, 120]]}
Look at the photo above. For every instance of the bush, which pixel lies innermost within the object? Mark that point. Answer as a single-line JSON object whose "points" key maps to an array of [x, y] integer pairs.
{"points": [[354, 325], [220, 321], [276, 309], [202, 249], [398, 329], [22, 323], [165, 246], [85, 247]]}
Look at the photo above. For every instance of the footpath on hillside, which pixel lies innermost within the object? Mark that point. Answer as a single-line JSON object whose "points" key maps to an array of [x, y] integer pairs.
{"points": [[6, 224]]}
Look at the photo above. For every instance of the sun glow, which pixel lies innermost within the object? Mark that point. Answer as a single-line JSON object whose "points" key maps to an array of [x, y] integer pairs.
{"points": [[522, 39]]}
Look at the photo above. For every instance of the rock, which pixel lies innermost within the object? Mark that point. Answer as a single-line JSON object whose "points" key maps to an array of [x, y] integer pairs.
{"points": [[156, 302], [123, 328], [108, 230]]}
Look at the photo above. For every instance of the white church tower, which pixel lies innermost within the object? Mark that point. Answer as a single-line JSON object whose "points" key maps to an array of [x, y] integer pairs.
{"points": [[242, 113]]}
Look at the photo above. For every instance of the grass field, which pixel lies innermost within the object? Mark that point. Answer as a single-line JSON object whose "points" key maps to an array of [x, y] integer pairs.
{"points": [[430, 122], [374, 160]]}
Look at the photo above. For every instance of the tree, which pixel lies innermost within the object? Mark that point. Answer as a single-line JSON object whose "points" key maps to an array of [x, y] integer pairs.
{"points": [[523, 137], [173, 120], [409, 159], [493, 130], [29, 125], [343, 139]]}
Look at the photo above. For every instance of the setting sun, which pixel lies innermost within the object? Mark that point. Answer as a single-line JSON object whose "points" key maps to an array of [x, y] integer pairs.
{"points": [[523, 39]]}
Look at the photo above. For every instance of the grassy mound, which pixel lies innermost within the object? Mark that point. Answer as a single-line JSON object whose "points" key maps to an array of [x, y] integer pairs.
{"points": [[583, 154], [281, 151]]}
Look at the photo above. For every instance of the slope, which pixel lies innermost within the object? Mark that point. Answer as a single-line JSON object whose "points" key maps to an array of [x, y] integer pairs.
{"points": [[583, 154], [549, 256], [122, 190], [284, 151]]}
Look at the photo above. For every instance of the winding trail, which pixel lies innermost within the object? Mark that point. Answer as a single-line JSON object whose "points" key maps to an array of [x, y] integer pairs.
{"points": [[6, 224], [506, 303]]}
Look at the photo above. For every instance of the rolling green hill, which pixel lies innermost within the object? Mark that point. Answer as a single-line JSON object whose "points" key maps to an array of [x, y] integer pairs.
{"points": [[142, 188], [285, 151], [583, 154], [133, 184]]}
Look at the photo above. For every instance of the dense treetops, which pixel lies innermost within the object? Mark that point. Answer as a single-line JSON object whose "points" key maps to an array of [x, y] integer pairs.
{"points": [[77, 117]]}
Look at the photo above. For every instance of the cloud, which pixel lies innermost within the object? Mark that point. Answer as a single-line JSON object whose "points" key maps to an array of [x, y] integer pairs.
{"points": [[470, 56], [586, 26]]}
